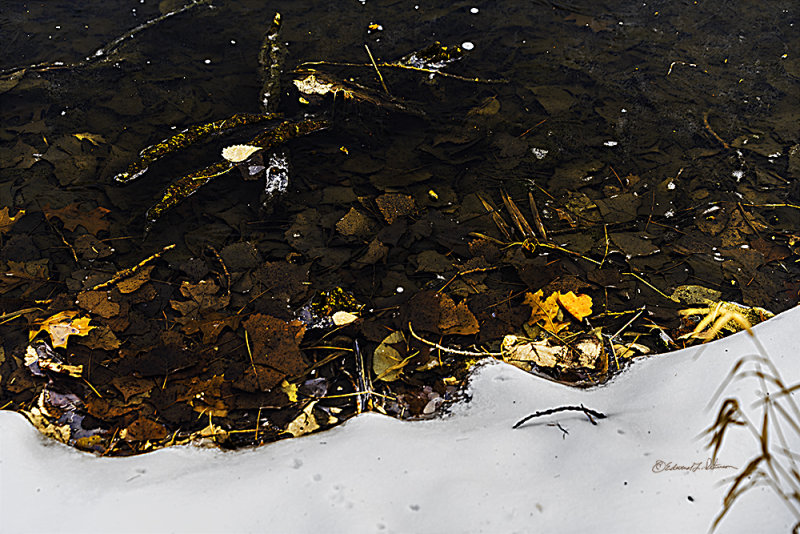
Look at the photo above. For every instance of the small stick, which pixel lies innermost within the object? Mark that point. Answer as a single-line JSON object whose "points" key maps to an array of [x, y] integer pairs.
{"points": [[708, 127], [537, 220], [258, 422], [747, 219], [364, 400], [105, 51], [618, 332], [651, 286], [618, 178], [224, 269], [522, 224], [375, 66], [501, 224], [563, 430], [125, 273], [589, 413], [10, 316], [529, 130], [453, 351], [401, 66], [671, 65]]}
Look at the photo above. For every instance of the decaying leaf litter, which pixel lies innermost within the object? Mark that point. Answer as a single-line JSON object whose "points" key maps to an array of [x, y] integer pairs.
{"points": [[437, 220]]}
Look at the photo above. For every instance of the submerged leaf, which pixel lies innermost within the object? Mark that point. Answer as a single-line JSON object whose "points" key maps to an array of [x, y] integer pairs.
{"points": [[579, 306], [387, 363], [544, 311], [6, 221], [305, 422], [73, 215], [62, 325]]}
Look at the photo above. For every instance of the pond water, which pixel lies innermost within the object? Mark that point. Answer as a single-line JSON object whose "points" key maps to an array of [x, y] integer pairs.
{"points": [[649, 147]]}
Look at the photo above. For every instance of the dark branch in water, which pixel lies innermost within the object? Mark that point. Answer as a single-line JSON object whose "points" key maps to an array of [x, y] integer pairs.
{"points": [[102, 53]]}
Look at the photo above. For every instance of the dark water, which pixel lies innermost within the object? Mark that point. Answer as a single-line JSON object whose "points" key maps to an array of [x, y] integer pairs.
{"points": [[672, 127]]}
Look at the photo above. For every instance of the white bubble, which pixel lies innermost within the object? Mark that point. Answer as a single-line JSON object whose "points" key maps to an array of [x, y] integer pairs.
{"points": [[466, 45], [539, 153], [474, 10], [399, 289], [207, 61]]}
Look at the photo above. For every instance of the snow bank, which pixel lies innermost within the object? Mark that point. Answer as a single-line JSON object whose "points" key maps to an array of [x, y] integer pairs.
{"points": [[469, 472]]}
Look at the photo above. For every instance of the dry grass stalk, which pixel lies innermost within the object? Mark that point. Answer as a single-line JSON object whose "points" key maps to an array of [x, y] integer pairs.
{"points": [[775, 465]]}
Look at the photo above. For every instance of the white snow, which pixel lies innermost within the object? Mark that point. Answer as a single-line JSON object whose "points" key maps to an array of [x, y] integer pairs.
{"points": [[469, 472]]}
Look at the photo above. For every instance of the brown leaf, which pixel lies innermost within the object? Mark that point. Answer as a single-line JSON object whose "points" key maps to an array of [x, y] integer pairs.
{"points": [[6, 221], [356, 224], [101, 337], [259, 378], [214, 323], [98, 303], [276, 343], [456, 319], [132, 283], [203, 293], [395, 205], [144, 429], [131, 386], [73, 216]]}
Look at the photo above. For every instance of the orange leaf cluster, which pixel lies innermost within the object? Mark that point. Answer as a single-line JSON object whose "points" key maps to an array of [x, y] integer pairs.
{"points": [[549, 313]]}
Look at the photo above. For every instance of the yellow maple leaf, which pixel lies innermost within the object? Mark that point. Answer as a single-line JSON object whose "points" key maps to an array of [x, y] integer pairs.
{"points": [[60, 326], [579, 306], [545, 311]]}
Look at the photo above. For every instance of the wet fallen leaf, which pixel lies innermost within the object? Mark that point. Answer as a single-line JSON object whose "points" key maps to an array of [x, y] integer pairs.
{"points": [[95, 139], [341, 318], [693, 295], [60, 326], [101, 337], [387, 363], [276, 343], [132, 283], [143, 429], [585, 353], [40, 357], [395, 205], [305, 422], [579, 306], [6, 221], [545, 312], [490, 106], [356, 224], [536, 352], [99, 303], [456, 319], [73, 216]]}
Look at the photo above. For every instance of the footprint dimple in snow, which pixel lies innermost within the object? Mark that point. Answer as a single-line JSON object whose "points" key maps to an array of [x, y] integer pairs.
{"points": [[297, 463], [317, 477]]}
